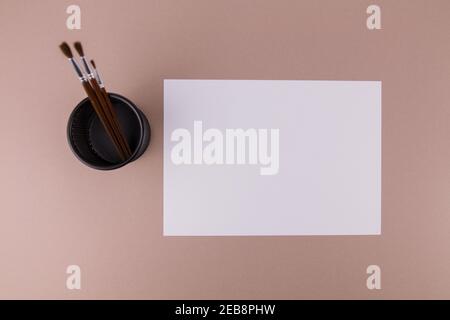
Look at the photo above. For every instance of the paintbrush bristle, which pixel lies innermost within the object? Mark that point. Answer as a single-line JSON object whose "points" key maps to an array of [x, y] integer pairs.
{"points": [[66, 50], [93, 64], [79, 48]]}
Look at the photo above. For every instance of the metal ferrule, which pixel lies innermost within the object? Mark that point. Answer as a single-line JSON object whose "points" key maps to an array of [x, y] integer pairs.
{"points": [[88, 70], [99, 80], [77, 68]]}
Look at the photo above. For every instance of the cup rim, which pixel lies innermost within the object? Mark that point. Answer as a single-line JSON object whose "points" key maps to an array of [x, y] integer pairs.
{"points": [[75, 151]]}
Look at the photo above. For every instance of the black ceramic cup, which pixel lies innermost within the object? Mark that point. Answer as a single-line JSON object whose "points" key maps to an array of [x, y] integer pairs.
{"points": [[91, 144]]}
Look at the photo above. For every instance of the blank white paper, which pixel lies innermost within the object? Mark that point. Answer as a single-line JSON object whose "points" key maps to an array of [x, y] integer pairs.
{"points": [[328, 180]]}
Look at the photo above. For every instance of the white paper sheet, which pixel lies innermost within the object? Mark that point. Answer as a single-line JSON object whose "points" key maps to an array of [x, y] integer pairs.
{"points": [[325, 178]]}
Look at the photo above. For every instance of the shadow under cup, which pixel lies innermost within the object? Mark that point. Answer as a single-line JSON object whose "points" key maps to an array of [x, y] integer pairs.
{"points": [[92, 145]]}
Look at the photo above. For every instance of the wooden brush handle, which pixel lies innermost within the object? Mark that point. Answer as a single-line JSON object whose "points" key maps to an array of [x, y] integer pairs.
{"points": [[107, 109], [98, 110], [115, 118]]}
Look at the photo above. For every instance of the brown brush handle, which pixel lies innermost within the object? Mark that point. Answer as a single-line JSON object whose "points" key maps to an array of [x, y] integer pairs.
{"points": [[109, 116], [98, 110], [115, 118]]}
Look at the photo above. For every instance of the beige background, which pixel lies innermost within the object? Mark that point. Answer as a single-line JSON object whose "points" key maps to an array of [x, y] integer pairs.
{"points": [[54, 211]]}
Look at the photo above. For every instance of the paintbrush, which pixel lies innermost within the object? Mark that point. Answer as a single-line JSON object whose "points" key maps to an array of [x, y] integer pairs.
{"points": [[92, 97], [104, 101], [108, 100]]}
